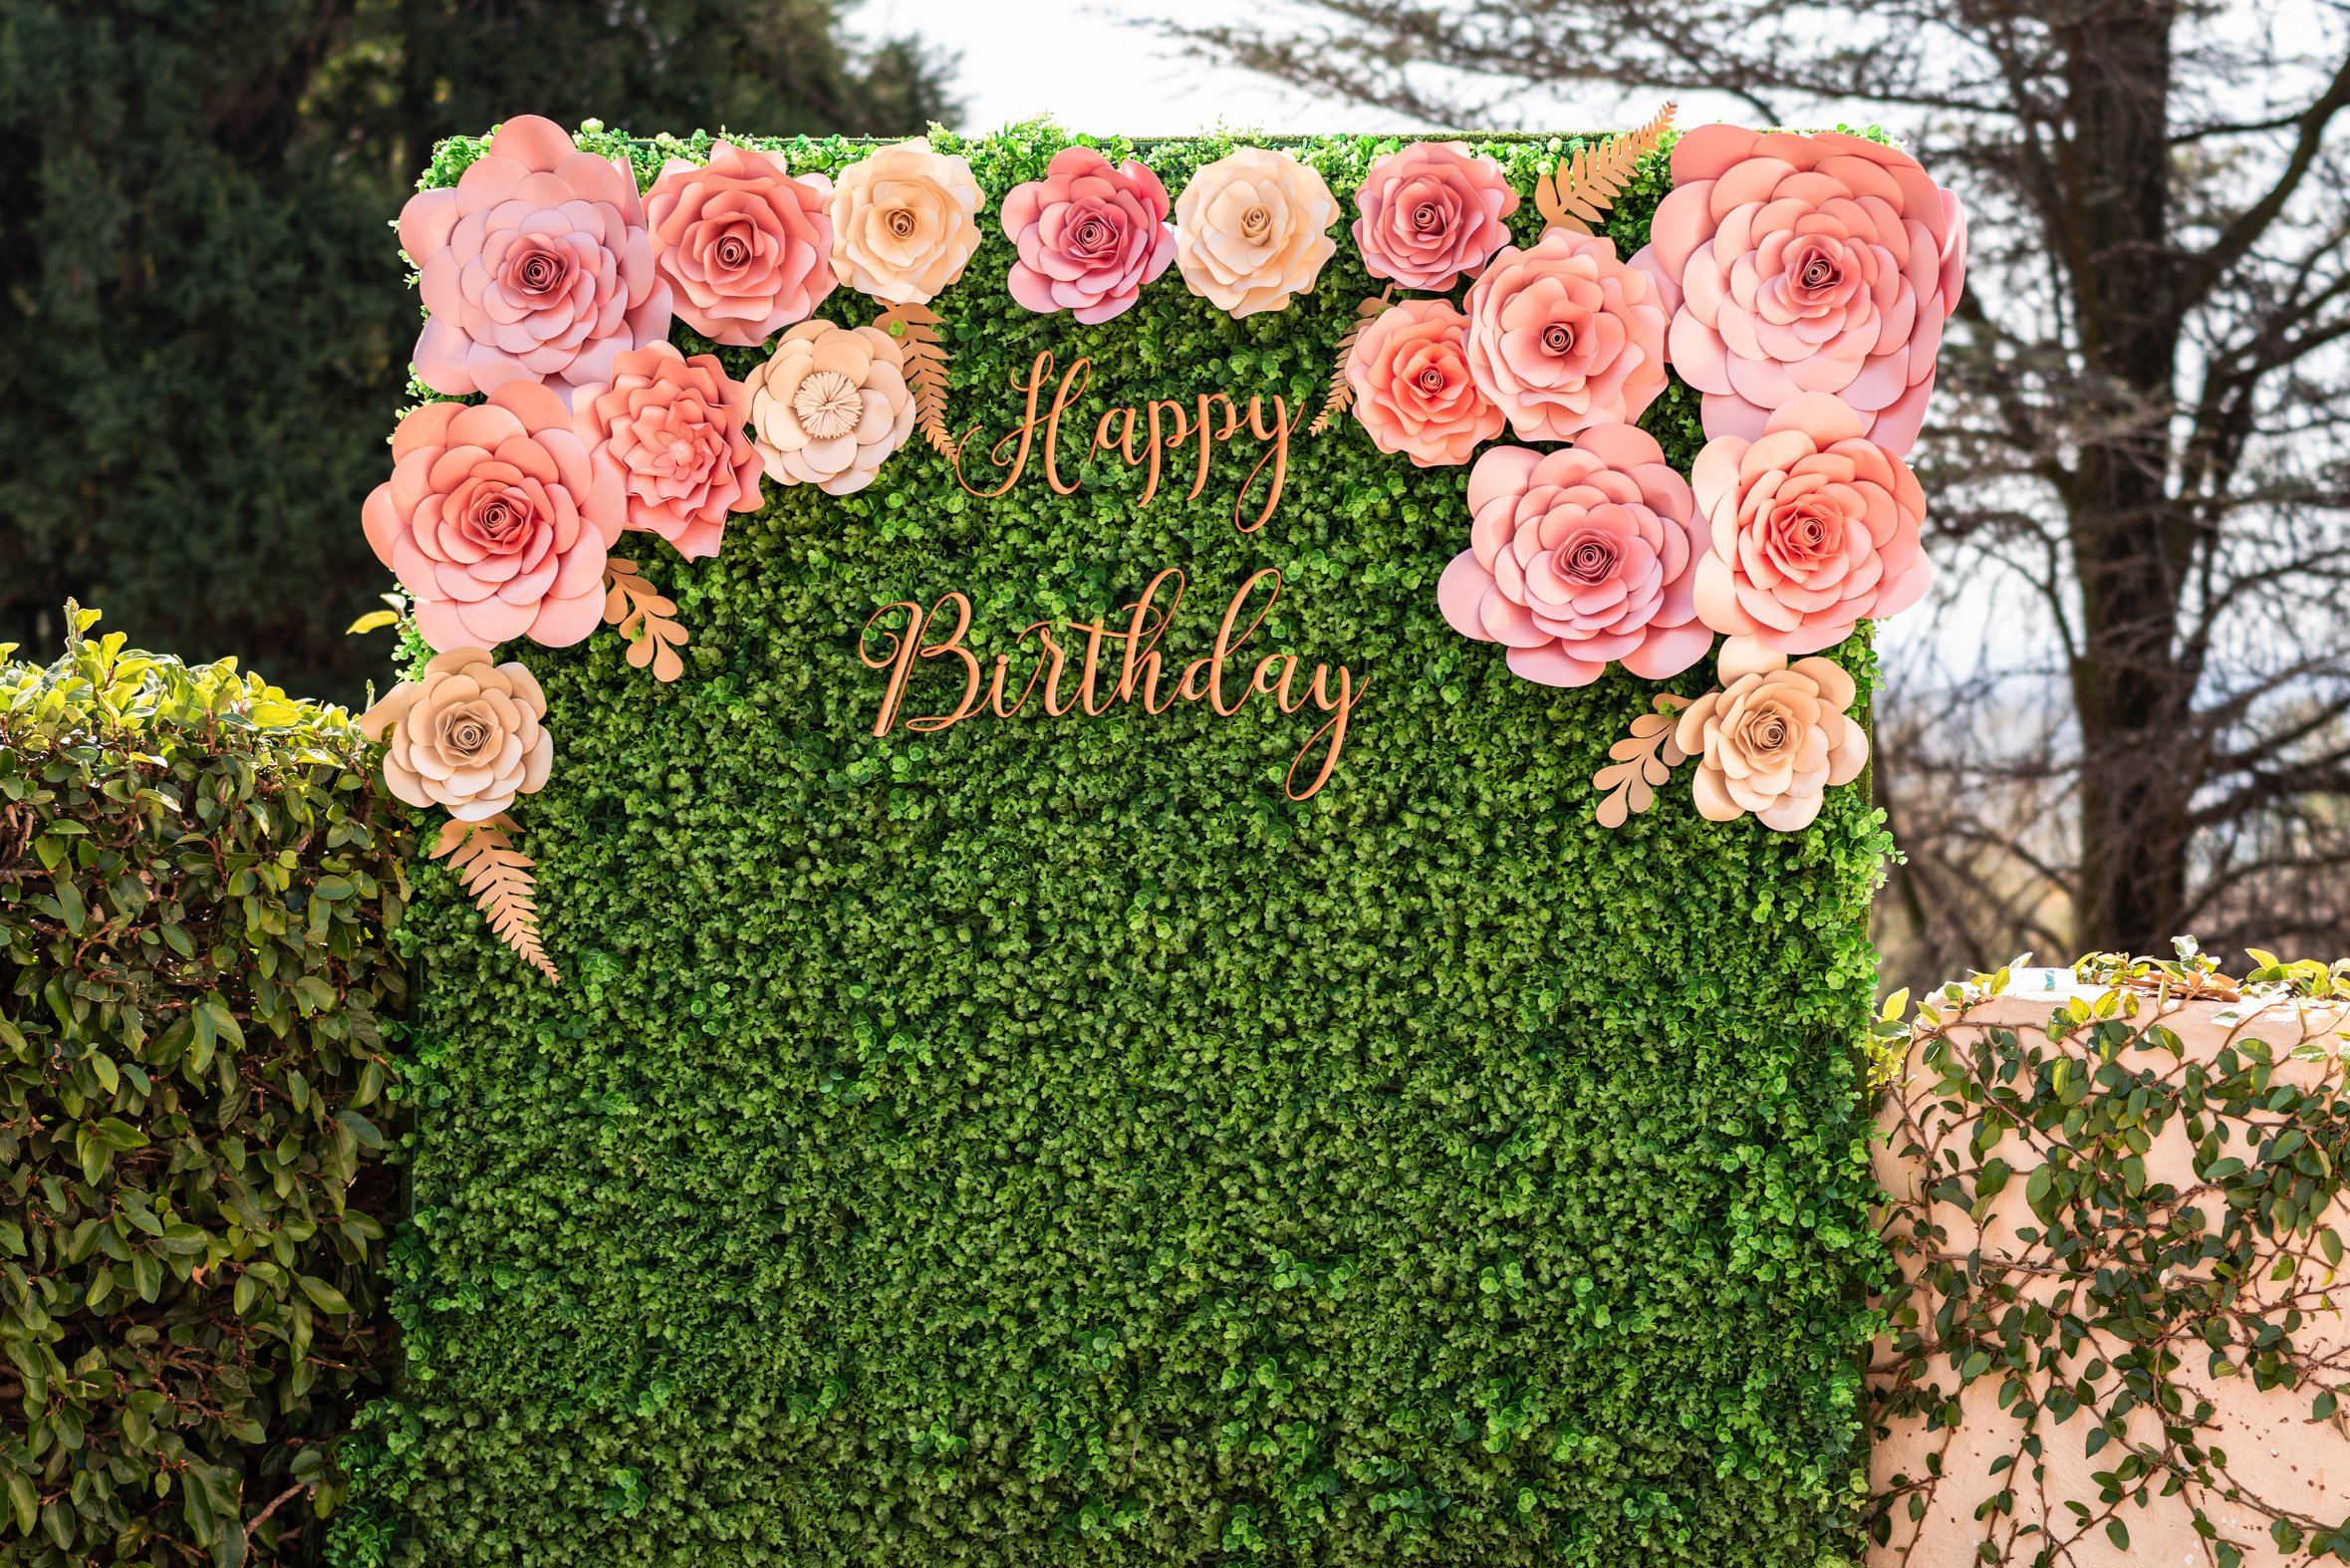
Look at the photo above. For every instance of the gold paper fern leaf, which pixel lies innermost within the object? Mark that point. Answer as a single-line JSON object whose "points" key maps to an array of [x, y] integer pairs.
{"points": [[642, 613], [498, 877], [1577, 193], [916, 327], [1342, 391]]}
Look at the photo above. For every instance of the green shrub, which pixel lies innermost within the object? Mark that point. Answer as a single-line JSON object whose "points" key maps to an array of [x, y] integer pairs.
{"points": [[195, 878]]}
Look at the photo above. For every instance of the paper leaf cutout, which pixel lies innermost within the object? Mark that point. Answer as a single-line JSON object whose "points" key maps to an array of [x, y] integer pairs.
{"points": [[916, 327], [1578, 192], [498, 877], [1342, 391], [642, 615], [1643, 761]]}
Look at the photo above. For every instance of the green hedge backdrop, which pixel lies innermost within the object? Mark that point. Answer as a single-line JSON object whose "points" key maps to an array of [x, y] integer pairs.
{"points": [[1043, 1142]]}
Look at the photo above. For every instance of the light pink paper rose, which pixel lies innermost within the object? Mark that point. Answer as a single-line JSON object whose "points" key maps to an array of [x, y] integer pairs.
{"points": [[537, 266], [745, 245], [1563, 336], [1811, 530], [1772, 739], [1820, 263], [496, 520], [1580, 555], [1090, 235], [1413, 390], [1431, 214], [1251, 230], [670, 431]]}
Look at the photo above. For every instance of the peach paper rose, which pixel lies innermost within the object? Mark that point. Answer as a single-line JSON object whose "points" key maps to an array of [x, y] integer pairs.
{"points": [[1431, 214], [1090, 235], [829, 405], [669, 430], [496, 520], [745, 246], [1580, 555], [1563, 336], [536, 267], [1772, 738], [1412, 391], [904, 222], [1812, 529], [1250, 230], [1820, 263], [465, 735]]}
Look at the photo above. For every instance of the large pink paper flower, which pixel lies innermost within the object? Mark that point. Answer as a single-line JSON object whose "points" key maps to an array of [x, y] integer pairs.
{"points": [[1431, 214], [1090, 235], [1823, 263], [1413, 389], [1578, 557], [1812, 529], [1564, 336], [496, 520], [670, 431], [747, 246], [537, 266]]}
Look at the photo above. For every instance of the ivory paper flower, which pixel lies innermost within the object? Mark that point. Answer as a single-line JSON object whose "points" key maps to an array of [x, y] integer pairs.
{"points": [[1431, 214], [1580, 555], [1564, 336], [829, 405], [465, 735], [745, 245], [1250, 230], [1090, 235], [1820, 263], [536, 267], [1772, 738], [1811, 530], [668, 431], [1412, 391], [904, 222], [496, 520]]}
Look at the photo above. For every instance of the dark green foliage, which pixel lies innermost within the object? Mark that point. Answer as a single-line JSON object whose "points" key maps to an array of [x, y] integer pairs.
{"points": [[195, 878], [1043, 1142]]}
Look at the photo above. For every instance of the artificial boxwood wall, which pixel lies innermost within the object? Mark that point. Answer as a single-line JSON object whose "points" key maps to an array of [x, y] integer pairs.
{"points": [[1043, 1142]]}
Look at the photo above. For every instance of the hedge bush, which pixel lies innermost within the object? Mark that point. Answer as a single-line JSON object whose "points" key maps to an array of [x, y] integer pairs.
{"points": [[1043, 1142], [195, 879]]}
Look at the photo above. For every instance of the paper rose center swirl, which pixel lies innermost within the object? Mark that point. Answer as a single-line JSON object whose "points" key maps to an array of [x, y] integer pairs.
{"points": [[828, 405], [732, 252], [1428, 217], [1559, 338], [498, 521], [1255, 224], [464, 733], [1591, 559], [901, 223], [538, 271]]}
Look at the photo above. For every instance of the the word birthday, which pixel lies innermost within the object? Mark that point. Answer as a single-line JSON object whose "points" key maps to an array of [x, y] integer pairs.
{"points": [[1212, 677]]}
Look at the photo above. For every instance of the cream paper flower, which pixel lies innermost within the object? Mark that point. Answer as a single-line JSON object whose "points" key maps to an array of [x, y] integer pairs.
{"points": [[464, 735], [829, 405], [1250, 230], [1772, 738], [904, 222]]}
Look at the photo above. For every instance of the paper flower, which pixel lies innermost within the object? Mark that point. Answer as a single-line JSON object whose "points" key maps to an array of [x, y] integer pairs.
{"points": [[1772, 738], [1090, 235], [1580, 555], [1431, 214], [465, 735], [1823, 263], [829, 405], [1412, 391], [904, 222], [745, 246], [537, 266], [668, 431], [496, 520], [1249, 230], [1563, 336], [1811, 530]]}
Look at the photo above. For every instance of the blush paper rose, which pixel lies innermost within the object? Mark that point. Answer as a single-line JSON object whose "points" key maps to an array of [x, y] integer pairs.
{"points": [[904, 222], [1580, 555], [668, 431], [1771, 739], [1090, 235], [745, 246], [1413, 390], [1563, 336], [1811, 530], [497, 520], [1250, 230], [536, 267], [1431, 214], [1820, 263], [464, 735], [829, 405]]}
